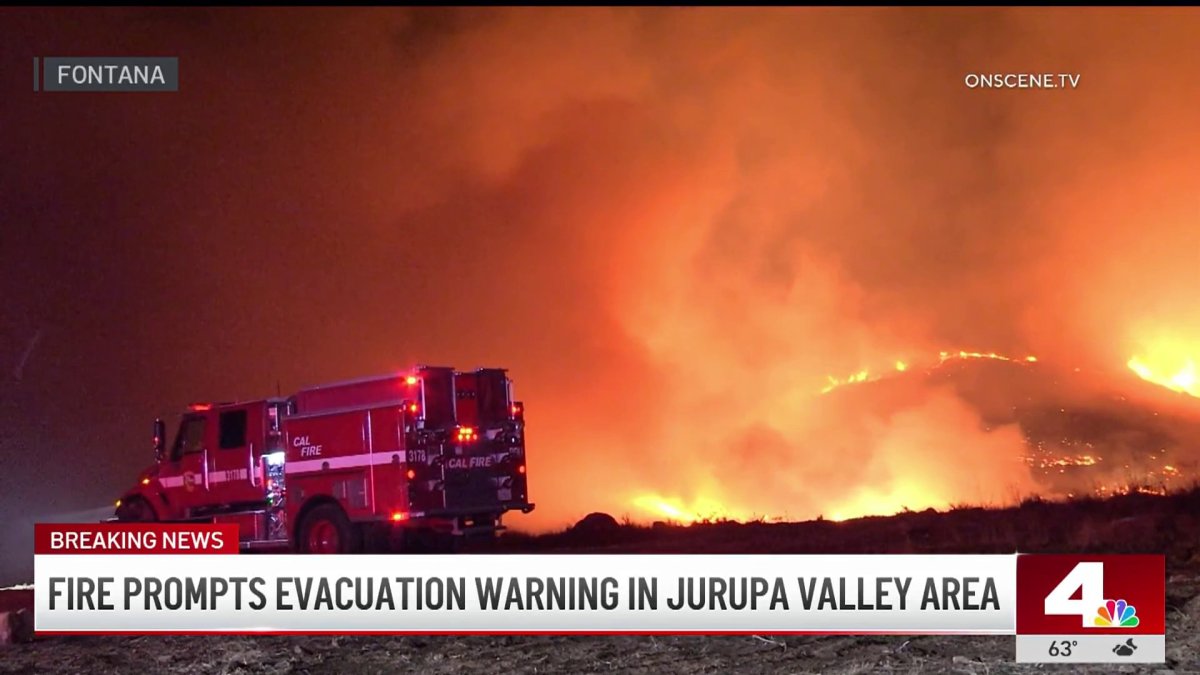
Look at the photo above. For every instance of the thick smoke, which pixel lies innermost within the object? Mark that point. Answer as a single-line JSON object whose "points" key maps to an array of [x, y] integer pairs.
{"points": [[672, 225], [753, 201]]}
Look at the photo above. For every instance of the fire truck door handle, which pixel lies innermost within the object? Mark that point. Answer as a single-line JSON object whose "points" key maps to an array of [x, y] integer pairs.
{"points": [[204, 458]]}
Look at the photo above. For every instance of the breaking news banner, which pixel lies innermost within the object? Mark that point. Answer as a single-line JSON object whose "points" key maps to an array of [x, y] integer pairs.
{"points": [[190, 579]]}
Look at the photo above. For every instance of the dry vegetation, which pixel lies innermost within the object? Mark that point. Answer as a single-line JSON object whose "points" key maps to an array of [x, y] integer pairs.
{"points": [[1130, 523]]}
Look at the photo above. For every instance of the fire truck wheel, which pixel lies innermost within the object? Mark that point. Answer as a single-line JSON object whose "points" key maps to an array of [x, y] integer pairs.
{"points": [[326, 529], [136, 510]]}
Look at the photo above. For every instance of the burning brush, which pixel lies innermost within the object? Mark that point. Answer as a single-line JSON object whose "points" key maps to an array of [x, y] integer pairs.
{"points": [[1074, 445]]}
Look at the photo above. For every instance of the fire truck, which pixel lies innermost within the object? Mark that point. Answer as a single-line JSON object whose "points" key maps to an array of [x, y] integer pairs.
{"points": [[407, 461]]}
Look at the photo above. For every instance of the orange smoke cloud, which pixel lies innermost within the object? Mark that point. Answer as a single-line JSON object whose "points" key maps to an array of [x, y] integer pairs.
{"points": [[713, 219]]}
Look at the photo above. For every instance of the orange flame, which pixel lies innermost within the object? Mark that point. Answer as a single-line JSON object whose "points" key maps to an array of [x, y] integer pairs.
{"points": [[676, 510], [946, 356], [1175, 372], [866, 375], [911, 493], [914, 493], [834, 383]]}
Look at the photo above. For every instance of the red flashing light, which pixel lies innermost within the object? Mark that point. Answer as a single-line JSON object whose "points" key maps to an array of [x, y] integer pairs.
{"points": [[411, 474], [516, 410], [145, 481], [398, 516], [412, 408], [521, 469], [466, 434], [200, 407], [410, 380]]}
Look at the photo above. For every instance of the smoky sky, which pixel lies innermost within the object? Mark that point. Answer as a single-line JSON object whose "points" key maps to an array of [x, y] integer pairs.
{"points": [[670, 224]]}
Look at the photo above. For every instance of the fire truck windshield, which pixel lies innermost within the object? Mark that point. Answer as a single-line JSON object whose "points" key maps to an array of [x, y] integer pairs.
{"points": [[190, 437]]}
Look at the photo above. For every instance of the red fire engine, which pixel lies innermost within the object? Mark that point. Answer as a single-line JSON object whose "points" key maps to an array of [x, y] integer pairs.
{"points": [[382, 463]]}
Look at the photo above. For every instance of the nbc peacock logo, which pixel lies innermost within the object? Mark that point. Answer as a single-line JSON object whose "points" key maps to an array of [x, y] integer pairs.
{"points": [[1116, 614]]}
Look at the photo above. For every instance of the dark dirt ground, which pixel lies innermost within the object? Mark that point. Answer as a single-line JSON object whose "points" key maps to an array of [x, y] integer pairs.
{"points": [[553, 654], [1134, 523]]}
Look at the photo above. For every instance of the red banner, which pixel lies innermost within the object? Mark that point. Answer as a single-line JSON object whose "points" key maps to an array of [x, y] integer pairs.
{"points": [[133, 538]]}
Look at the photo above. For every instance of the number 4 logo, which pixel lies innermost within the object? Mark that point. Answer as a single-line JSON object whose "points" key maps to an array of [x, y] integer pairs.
{"points": [[1087, 579]]}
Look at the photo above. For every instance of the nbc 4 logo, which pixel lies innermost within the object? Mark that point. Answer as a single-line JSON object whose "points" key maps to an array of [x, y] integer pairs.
{"points": [[1087, 581]]}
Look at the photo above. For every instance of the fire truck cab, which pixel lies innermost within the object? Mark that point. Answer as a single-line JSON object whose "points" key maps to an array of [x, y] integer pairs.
{"points": [[392, 462]]}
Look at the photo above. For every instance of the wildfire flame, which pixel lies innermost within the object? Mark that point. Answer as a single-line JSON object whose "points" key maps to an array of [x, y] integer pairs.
{"points": [[677, 511], [946, 356], [866, 375], [834, 383], [866, 502], [1176, 374], [871, 502], [1059, 462]]}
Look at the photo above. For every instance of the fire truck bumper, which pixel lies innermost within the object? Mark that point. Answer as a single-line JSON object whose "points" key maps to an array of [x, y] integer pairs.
{"points": [[522, 506], [497, 510], [467, 521]]}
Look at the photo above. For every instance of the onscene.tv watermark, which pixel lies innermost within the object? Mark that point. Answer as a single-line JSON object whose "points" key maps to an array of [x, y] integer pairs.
{"points": [[1022, 80], [106, 73]]}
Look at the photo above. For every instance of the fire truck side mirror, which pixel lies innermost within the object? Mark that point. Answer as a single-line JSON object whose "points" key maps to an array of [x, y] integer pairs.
{"points": [[160, 439]]}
